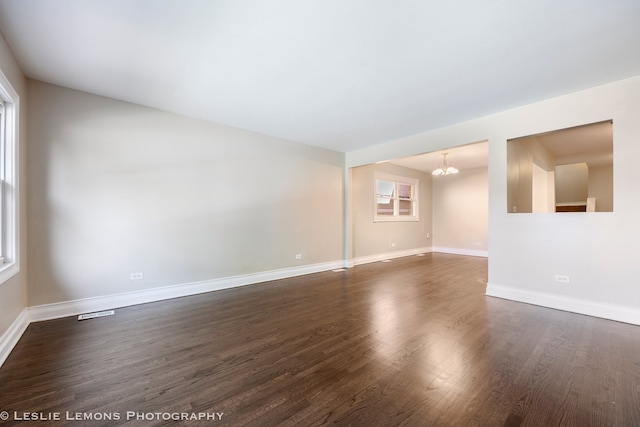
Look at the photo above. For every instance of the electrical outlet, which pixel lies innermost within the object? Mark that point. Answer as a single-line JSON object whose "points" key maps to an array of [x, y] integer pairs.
{"points": [[298, 256], [136, 276], [428, 235], [561, 278]]}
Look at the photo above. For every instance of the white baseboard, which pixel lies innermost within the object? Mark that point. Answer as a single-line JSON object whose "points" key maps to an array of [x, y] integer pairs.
{"points": [[458, 251], [79, 306], [74, 307], [590, 308], [388, 255], [12, 335]]}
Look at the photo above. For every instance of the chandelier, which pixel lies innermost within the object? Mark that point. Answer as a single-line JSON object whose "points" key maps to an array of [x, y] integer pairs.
{"points": [[445, 168]]}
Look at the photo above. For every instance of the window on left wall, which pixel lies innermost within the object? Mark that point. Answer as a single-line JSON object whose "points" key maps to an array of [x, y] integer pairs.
{"points": [[396, 198], [9, 108]]}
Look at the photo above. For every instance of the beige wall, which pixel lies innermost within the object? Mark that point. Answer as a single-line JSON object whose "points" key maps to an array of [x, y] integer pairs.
{"points": [[374, 238], [519, 177], [522, 154], [13, 293], [600, 186], [572, 182], [460, 211], [119, 188]]}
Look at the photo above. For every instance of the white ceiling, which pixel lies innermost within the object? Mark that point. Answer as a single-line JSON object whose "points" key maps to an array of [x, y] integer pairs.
{"points": [[337, 74], [591, 143]]}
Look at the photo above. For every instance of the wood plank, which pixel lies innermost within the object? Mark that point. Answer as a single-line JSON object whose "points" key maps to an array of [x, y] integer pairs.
{"points": [[409, 342]]}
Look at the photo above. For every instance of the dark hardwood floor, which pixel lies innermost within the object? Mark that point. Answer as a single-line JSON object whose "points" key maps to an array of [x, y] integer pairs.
{"points": [[411, 342]]}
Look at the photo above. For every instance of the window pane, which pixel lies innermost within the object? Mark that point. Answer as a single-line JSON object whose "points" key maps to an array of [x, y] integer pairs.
{"points": [[406, 208], [385, 188], [405, 191], [385, 206]]}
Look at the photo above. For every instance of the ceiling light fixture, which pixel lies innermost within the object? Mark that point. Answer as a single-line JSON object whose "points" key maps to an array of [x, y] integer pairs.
{"points": [[445, 168]]}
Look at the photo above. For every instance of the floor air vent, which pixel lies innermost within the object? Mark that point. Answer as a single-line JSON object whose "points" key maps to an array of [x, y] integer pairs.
{"points": [[98, 314]]}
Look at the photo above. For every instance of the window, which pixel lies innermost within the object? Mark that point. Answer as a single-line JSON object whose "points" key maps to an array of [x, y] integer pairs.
{"points": [[396, 198], [9, 107]]}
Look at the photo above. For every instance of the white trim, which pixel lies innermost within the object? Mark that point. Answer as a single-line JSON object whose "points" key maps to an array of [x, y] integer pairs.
{"points": [[79, 306], [407, 218], [388, 255], [559, 302], [12, 335], [458, 251], [75, 307], [10, 191], [584, 203]]}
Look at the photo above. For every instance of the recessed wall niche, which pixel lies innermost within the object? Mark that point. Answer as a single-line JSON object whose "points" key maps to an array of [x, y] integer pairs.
{"points": [[568, 170]]}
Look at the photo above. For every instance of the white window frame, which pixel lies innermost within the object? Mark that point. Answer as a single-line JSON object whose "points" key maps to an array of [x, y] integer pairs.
{"points": [[9, 195], [396, 217]]}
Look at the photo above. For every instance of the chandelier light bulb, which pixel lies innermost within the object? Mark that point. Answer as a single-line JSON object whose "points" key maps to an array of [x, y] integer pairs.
{"points": [[445, 168]]}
